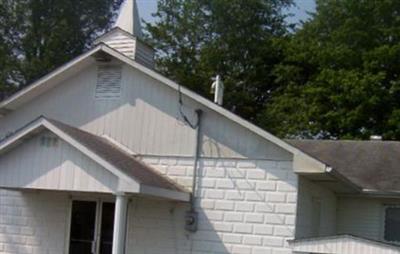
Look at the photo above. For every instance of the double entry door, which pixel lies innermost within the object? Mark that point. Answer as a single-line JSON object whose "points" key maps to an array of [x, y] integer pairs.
{"points": [[91, 230]]}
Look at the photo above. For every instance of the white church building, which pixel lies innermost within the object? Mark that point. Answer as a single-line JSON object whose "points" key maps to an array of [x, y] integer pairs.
{"points": [[106, 156]]}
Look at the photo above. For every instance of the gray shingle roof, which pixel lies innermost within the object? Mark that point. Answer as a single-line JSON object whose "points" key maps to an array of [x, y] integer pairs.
{"points": [[373, 165], [120, 159]]}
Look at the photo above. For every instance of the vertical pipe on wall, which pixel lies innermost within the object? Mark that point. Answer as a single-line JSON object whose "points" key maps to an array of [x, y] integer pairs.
{"points": [[196, 157], [191, 216]]}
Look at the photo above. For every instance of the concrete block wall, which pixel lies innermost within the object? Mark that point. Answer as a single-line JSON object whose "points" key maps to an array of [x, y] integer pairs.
{"points": [[245, 207], [32, 222]]}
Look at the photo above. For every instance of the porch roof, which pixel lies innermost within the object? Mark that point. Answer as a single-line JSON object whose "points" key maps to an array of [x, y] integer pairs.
{"points": [[125, 166], [340, 244]]}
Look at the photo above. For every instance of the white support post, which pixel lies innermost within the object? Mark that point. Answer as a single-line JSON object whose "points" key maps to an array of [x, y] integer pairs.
{"points": [[120, 219]]}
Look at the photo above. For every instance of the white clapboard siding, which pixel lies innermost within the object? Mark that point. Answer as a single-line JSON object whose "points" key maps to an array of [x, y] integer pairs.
{"points": [[123, 43], [144, 54], [145, 118], [345, 244], [361, 216], [130, 46], [306, 224], [55, 165]]}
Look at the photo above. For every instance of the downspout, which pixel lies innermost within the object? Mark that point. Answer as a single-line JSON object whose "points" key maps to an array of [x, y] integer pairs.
{"points": [[192, 215]]}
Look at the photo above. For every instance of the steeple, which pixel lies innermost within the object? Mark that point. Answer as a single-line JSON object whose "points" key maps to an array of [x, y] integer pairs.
{"points": [[128, 18], [126, 36]]}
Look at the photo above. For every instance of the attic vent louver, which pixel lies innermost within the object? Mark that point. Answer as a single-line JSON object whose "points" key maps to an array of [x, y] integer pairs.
{"points": [[108, 84]]}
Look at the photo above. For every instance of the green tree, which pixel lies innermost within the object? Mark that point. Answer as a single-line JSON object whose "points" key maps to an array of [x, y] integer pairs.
{"points": [[340, 74], [37, 36], [197, 39]]}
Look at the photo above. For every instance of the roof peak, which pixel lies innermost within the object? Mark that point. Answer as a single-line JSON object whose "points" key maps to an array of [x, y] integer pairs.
{"points": [[128, 18]]}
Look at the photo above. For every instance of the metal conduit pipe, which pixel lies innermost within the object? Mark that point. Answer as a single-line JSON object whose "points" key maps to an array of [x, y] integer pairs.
{"points": [[191, 215]]}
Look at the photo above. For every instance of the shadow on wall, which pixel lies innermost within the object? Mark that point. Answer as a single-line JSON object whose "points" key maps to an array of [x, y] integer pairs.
{"points": [[59, 167], [235, 204], [242, 204], [158, 227], [146, 118], [249, 203], [235, 197]]}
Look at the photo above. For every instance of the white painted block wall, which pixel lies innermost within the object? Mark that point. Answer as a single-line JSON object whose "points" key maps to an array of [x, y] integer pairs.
{"points": [[245, 207], [32, 222]]}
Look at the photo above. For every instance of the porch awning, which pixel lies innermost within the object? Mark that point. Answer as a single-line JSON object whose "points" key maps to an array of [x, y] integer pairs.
{"points": [[126, 172], [342, 244]]}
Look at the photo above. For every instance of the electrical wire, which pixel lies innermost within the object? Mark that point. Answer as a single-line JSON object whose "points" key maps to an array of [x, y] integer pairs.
{"points": [[182, 114]]}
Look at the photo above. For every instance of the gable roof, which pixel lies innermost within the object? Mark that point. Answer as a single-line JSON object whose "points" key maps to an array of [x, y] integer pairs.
{"points": [[117, 161], [53, 78], [305, 158], [371, 165], [48, 81]]}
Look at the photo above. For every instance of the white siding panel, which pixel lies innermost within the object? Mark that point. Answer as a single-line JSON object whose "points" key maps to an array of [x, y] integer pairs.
{"points": [[122, 43], [61, 167], [306, 215], [145, 119], [361, 217], [343, 245], [144, 54]]}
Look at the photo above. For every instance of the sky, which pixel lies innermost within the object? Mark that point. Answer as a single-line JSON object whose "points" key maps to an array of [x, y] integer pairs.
{"points": [[146, 7]]}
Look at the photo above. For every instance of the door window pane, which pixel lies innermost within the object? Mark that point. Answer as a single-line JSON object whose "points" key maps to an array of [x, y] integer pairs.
{"points": [[107, 227], [392, 224], [83, 220]]}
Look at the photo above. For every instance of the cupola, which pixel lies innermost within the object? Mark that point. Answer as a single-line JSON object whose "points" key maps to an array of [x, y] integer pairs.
{"points": [[126, 36]]}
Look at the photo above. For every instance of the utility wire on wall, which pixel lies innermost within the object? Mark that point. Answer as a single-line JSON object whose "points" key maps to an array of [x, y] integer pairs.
{"points": [[182, 114]]}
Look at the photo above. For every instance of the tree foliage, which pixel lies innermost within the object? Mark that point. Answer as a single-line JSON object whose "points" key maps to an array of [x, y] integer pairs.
{"points": [[337, 76], [38, 35], [340, 74], [197, 39]]}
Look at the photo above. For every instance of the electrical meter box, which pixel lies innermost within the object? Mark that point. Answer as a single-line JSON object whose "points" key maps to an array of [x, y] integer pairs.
{"points": [[191, 221]]}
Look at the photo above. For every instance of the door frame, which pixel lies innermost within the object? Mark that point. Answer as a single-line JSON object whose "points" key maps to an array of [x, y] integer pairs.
{"points": [[99, 210]]}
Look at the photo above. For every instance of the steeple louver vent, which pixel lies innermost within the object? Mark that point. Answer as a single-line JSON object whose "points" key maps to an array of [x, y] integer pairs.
{"points": [[108, 84]]}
